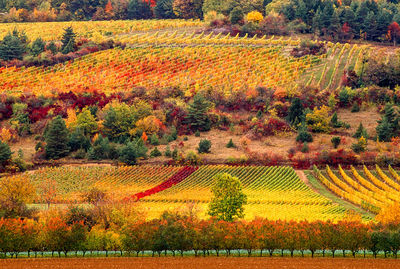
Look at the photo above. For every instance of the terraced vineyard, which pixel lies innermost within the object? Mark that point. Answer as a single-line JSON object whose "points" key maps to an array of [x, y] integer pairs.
{"points": [[273, 192], [370, 190], [227, 69]]}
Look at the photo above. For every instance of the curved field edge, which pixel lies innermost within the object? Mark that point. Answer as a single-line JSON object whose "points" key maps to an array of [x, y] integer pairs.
{"points": [[318, 187]]}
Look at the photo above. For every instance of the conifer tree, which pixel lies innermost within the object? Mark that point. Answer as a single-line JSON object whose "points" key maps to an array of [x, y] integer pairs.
{"points": [[197, 114], [5, 152], [68, 40], [139, 10], [12, 47], [361, 132], [164, 9], [57, 137]]}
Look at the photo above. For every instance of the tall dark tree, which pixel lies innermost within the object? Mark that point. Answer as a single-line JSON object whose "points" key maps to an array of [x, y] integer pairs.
{"points": [[68, 40], [57, 137], [197, 117], [296, 112], [164, 9], [139, 10], [5, 153], [13, 46]]}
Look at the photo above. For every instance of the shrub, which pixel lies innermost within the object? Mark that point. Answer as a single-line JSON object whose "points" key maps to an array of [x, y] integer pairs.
{"points": [[361, 132], [197, 133], [305, 148], [154, 140], [318, 119], [155, 153], [204, 146], [360, 146], [167, 152], [355, 107], [336, 141], [192, 158], [230, 144], [304, 136]]}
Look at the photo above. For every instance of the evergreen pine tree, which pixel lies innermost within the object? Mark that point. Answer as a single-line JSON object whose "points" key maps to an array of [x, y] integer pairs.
{"points": [[68, 41], [164, 9], [361, 132], [12, 47], [197, 114], [5, 152], [384, 130], [296, 112], [56, 137], [37, 46]]}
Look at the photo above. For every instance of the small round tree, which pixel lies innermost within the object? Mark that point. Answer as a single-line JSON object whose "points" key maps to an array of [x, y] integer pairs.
{"points": [[228, 198]]}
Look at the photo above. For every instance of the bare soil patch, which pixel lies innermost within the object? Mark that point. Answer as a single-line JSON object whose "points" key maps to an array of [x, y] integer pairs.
{"points": [[191, 262]]}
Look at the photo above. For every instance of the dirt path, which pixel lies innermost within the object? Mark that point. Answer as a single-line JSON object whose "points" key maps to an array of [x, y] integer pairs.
{"points": [[191, 262], [304, 178]]}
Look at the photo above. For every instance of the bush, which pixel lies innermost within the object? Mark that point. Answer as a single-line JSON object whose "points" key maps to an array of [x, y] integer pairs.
{"points": [[254, 17], [304, 136], [336, 141], [230, 144], [167, 152], [197, 133], [154, 140], [360, 146], [204, 146], [305, 148], [355, 108], [155, 153]]}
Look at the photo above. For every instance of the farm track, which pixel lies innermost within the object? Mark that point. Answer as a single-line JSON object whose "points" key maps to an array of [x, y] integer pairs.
{"points": [[191, 262]]}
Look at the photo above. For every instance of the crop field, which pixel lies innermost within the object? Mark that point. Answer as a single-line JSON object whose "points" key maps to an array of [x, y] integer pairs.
{"points": [[273, 192]]}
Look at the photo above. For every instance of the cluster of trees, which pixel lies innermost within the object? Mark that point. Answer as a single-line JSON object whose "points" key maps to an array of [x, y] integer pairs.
{"points": [[178, 233], [345, 19], [22, 11]]}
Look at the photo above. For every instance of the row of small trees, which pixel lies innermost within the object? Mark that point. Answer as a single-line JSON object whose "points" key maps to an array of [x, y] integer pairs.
{"points": [[178, 234]]}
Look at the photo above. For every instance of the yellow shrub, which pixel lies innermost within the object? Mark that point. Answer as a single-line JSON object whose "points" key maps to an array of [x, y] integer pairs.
{"points": [[254, 16], [319, 119], [5, 135]]}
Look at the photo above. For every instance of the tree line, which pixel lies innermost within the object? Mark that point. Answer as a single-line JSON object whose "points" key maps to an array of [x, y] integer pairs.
{"points": [[179, 234]]}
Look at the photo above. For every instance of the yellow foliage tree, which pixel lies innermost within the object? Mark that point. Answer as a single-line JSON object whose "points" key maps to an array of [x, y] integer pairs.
{"points": [[71, 119], [5, 135], [389, 215], [319, 119], [254, 16], [150, 125]]}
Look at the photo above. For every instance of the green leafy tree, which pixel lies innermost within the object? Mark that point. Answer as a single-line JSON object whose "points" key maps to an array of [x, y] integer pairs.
{"points": [[78, 140], [164, 9], [139, 10], [86, 122], [198, 114], [13, 46], [56, 136], [228, 198], [68, 40], [132, 151]]}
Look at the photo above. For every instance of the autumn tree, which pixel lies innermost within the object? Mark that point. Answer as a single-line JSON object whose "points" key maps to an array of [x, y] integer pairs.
{"points": [[394, 32], [87, 122], [228, 198], [15, 193]]}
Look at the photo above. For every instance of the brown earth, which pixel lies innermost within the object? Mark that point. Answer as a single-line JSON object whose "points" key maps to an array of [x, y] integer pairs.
{"points": [[191, 262]]}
